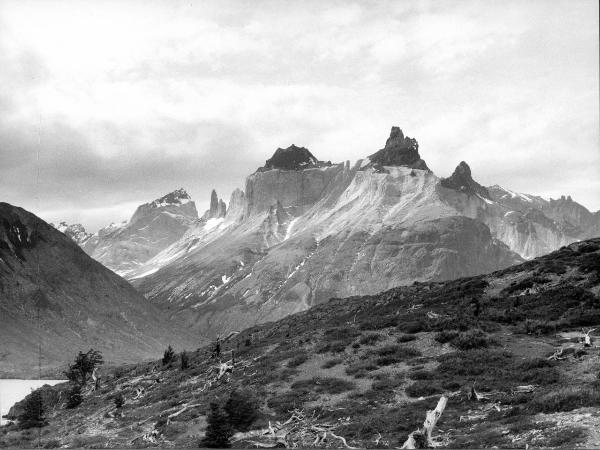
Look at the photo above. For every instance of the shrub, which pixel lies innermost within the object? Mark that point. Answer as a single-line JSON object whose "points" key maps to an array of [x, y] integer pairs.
{"points": [[82, 368], [218, 429], [74, 397], [370, 339], [405, 338], [297, 360], [422, 388], [324, 385], [33, 411], [331, 363], [565, 399], [472, 339], [392, 354], [119, 400], [446, 336], [168, 356], [241, 409], [185, 360]]}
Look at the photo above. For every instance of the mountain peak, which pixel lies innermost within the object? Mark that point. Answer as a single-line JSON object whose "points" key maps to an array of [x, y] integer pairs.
{"points": [[177, 197], [461, 180], [399, 150], [291, 158]]}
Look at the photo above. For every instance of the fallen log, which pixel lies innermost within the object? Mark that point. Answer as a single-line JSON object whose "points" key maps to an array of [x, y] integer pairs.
{"points": [[422, 438]]}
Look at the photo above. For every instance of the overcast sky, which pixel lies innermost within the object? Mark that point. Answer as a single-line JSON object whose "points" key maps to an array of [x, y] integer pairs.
{"points": [[105, 105]]}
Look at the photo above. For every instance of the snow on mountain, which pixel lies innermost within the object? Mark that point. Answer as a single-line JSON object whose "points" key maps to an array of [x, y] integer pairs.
{"points": [[304, 230]]}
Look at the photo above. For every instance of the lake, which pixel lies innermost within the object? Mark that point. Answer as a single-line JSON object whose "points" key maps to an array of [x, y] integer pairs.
{"points": [[13, 391]]}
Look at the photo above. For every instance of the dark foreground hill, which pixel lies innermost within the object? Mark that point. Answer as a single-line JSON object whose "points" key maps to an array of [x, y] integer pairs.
{"points": [[368, 368], [79, 303]]}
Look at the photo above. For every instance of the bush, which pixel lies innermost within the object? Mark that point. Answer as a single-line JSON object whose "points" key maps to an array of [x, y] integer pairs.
{"points": [[119, 400], [218, 429], [325, 385], [331, 363], [33, 411], [168, 356], [422, 388], [472, 339], [370, 339], [297, 360], [392, 354], [405, 338], [82, 368], [565, 399], [242, 410], [74, 397], [185, 360]]}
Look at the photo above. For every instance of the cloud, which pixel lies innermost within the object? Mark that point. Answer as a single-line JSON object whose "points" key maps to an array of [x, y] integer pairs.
{"points": [[125, 101]]}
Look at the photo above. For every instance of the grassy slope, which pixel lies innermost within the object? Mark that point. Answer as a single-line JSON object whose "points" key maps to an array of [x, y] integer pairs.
{"points": [[380, 362]]}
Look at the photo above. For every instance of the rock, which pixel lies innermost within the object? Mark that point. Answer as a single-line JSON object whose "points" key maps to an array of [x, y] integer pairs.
{"points": [[398, 151], [461, 180]]}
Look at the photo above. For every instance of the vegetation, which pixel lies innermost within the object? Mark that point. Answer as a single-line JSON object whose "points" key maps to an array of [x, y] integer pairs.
{"points": [[168, 356], [82, 368], [218, 429], [33, 411]]}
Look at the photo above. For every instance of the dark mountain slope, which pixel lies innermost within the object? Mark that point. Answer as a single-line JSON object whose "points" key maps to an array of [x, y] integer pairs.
{"points": [[371, 366], [81, 303]]}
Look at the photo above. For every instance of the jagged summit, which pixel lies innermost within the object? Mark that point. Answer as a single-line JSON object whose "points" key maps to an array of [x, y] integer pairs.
{"points": [[399, 150], [217, 208], [292, 158], [177, 197], [461, 180]]}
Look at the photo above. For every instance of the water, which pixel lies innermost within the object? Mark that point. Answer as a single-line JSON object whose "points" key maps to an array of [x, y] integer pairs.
{"points": [[13, 391]]}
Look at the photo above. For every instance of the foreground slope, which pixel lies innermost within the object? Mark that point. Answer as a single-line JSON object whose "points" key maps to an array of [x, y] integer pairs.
{"points": [[81, 304], [369, 368]]}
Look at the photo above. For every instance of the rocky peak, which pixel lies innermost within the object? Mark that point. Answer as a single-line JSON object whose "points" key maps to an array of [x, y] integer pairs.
{"points": [[292, 158], [399, 150], [177, 197], [461, 180], [217, 208]]}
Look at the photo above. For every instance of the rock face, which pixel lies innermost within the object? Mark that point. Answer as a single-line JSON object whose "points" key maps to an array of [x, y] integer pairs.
{"points": [[152, 228], [399, 151], [75, 231], [81, 304], [461, 180], [305, 231], [292, 158]]}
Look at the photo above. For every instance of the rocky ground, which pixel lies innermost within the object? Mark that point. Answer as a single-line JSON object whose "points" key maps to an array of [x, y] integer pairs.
{"points": [[368, 368]]}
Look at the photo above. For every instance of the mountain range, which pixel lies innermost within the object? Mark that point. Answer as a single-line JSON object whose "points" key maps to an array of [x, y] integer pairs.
{"points": [[305, 230], [55, 300]]}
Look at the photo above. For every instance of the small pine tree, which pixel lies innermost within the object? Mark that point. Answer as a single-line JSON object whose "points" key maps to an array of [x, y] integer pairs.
{"points": [[119, 400], [75, 398], [242, 410], [168, 356], [33, 411], [218, 429], [83, 366], [185, 361]]}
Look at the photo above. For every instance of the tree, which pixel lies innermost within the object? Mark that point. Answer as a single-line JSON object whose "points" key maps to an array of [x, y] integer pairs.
{"points": [[218, 429], [81, 370], [119, 400], [241, 409], [33, 411], [185, 361], [168, 356], [75, 398]]}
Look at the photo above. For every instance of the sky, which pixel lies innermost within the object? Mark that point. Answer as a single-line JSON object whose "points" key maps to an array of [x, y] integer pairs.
{"points": [[105, 105]]}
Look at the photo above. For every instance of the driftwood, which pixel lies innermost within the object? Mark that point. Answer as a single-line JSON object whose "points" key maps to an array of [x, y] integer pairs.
{"points": [[422, 438], [298, 431]]}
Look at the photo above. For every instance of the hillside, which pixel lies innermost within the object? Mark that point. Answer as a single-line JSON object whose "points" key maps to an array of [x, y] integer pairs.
{"points": [[80, 303], [369, 367]]}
